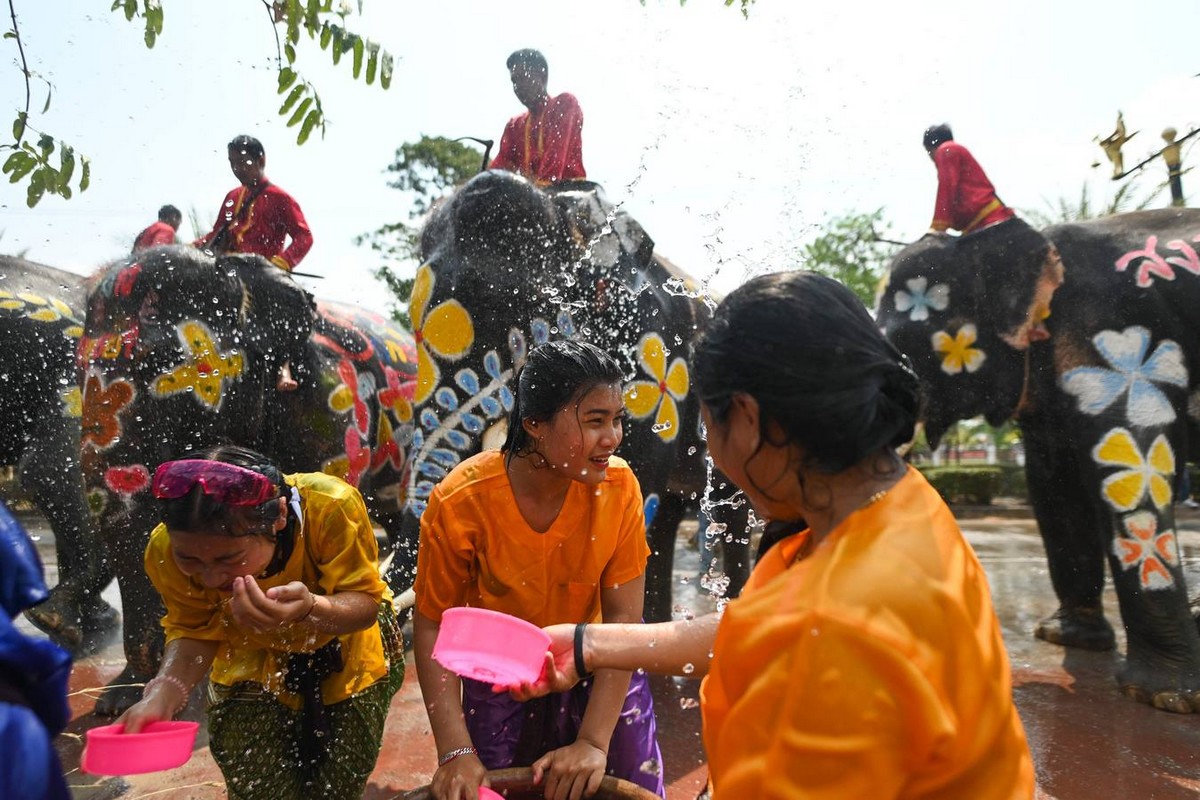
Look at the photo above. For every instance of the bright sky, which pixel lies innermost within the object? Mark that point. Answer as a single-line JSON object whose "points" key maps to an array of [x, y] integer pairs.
{"points": [[732, 141]]}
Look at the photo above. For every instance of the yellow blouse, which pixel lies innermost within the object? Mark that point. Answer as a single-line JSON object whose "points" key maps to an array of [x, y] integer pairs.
{"points": [[335, 551]]}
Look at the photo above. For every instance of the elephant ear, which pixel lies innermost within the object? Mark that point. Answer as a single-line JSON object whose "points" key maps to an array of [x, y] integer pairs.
{"points": [[255, 276]]}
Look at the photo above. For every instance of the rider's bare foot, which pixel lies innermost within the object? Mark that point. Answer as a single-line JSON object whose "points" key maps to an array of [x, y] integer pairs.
{"points": [[285, 382]]}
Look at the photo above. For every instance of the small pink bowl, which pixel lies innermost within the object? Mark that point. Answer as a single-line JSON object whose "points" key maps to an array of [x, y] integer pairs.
{"points": [[490, 647], [487, 794], [158, 746]]}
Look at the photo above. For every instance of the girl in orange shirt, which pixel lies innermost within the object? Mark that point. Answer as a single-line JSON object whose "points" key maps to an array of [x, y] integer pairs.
{"points": [[863, 658], [551, 530]]}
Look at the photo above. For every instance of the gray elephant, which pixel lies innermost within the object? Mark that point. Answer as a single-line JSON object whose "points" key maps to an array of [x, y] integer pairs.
{"points": [[1089, 336], [40, 408], [508, 266]]}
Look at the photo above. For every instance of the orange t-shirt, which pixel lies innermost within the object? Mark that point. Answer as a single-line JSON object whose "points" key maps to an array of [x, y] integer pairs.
{"points": [[477, 550], [874, 667]]}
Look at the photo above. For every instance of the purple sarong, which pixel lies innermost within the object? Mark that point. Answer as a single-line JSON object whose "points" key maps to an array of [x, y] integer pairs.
{"points": [[511, 734]]}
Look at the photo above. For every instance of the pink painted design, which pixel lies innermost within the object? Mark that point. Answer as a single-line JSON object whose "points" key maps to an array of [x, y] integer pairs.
{"points": [[387, 450], [358, 456], [127, 481], [1149, 264], [1189, 261], [1147, 550], [349, 395]]}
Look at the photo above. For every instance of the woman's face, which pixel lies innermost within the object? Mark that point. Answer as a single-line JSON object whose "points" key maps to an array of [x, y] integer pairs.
{"points": [[763, 473], [580, 438], [215, 559]]}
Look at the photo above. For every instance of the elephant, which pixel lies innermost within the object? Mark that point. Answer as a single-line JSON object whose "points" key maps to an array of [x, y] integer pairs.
{"points": [[178, 350], [1087, 336], [507, 266], [40, 407]]}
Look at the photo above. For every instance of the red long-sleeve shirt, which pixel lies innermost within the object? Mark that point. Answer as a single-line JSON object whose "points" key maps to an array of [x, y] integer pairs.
{"points": [[547, 146], [966, 199], [262, 228], [158, 233]]}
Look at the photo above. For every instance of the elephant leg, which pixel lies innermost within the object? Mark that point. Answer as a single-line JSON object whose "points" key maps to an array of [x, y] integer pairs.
{"points": [[143, 609], [75, 616], [664, 529], [403, 532], [1071, 524]]}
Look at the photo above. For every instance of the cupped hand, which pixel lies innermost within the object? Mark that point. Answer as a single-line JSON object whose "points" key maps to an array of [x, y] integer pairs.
{"points": [[572, 772], [261, 612], [459, 779], [154, 707]]}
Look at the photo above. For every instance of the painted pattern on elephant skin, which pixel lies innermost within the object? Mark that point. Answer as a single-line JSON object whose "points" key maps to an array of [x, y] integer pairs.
{"points": [[664, 393], [1151, 265], [53, 312], [205, 370]]}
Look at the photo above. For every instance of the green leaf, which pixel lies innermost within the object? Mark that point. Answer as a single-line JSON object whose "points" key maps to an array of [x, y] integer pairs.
{"points": [[67, 168], [85, 176], [290, 52], [19, 126], [149, 36], [49, 92], [292, 97], [65, 191], [337, 44], [359, 48], [310, 122], [385, 70], [287, 76], [130, 9], [372, 63], [37, 187], [298, 114], [46, 143], [326, 36], [20, 163]]}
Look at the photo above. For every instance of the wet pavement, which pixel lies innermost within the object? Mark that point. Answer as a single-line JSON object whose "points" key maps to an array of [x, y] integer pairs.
{"points": [[1087, 741]]}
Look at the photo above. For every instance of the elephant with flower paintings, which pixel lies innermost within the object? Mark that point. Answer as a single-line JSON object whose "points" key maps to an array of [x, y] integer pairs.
{"points": [[1090, 339], [40, 325], [508, 266], [177, 354]]}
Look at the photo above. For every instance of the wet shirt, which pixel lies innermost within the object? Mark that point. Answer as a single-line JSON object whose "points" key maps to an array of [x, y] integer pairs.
{"points": [[262, 228], [477, 549], [966, 199], [158, 233], [874, 667], [335, 551], [547, 146]]}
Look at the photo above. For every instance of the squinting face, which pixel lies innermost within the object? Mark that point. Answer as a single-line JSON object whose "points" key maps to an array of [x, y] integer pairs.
{"points": [[215, 559], [580, 438]]}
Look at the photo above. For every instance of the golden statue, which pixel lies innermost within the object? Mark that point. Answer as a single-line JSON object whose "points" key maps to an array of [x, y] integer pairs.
{"points": [[1113, 144]]}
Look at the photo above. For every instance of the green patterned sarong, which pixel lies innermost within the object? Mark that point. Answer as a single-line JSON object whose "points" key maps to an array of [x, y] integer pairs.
{"points": [[255, 739]]}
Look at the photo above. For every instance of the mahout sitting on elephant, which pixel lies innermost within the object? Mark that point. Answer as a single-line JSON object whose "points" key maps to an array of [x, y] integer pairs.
{"points": [[40, 325], [1101, 393], [507, 266], [180, 352]]}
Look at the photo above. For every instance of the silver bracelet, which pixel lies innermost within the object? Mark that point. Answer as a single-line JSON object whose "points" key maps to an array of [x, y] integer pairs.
{"points": [[184, 691], [453, 754]]}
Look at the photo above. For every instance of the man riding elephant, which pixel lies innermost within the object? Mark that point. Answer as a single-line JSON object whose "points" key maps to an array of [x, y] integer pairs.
{"points": [[1104, 401]]}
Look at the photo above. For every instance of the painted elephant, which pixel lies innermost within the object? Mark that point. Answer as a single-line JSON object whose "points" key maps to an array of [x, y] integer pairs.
{"points": [[178, 349], [508, 266], [1098, 372], [40, 324]]}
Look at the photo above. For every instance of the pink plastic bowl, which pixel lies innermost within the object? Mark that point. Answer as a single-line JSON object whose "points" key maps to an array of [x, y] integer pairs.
{"points": [[490, 647], [487, 794], [158, 746]]}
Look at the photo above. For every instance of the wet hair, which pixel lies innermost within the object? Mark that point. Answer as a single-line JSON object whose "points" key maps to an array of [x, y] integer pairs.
{"points": [[936, 134], [168, 213], [248, 145], [532, 60], [554, 375], [804, 347], [197, 512]]}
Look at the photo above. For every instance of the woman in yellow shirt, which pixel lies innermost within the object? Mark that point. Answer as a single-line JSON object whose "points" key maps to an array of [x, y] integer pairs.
{"points": [[864, 658], [272, 582]]}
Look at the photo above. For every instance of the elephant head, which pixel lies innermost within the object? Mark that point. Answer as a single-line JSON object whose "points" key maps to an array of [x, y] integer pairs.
{"points": [[965, 311]]}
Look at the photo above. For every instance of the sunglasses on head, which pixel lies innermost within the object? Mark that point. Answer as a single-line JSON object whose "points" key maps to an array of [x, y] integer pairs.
{"points": [[225, 483]]}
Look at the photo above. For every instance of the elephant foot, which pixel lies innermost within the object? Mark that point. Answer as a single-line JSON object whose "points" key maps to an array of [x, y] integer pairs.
{"points": [[122, 692], [76, 628], [1161, 689], [1085, 628]]}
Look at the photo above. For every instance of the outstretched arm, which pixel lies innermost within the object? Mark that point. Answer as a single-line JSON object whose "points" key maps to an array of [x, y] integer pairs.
{"points": [[185, 663]]}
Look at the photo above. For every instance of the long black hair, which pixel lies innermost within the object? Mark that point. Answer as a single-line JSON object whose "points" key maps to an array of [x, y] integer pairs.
{"points": [[197, 512], [804, 347], [554, 375]]}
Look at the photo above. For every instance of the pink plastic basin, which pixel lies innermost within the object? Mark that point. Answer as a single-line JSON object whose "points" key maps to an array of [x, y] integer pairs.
{"points": [[487, 794], [158, 746], [491, 647]]}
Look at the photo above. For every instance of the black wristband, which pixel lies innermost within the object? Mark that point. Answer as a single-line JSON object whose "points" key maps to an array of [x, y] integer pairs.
{"points": [[580, 668]]}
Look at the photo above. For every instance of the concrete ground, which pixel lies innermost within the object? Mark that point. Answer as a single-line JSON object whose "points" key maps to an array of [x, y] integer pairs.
{"points": [[1087, 741]]}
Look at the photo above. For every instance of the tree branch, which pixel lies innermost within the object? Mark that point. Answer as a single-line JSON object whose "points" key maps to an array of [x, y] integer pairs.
{"points": [[12, 12], [274, 29]]}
